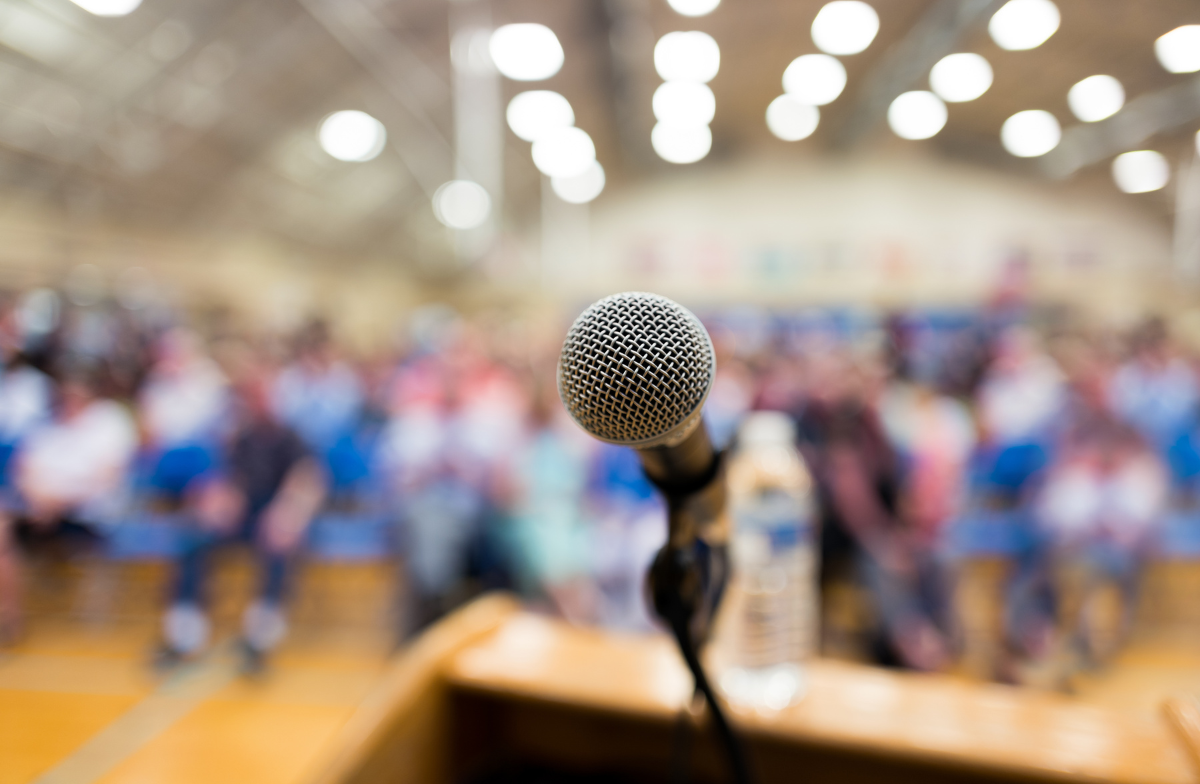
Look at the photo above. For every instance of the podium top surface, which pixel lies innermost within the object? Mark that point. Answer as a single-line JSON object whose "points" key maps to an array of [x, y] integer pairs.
{"points": [[936, 719]]}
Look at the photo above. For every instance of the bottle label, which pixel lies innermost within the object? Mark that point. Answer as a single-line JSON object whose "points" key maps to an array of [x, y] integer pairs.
{"points": [[781, 517]]}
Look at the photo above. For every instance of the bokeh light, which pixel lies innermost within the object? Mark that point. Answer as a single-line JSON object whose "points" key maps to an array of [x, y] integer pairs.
{"points": [[461, 204], [791, 120], [1179, 50], [1096, 98], [687, 57], [694, 7], [534, 113], [684, 103], [526, 52], [815, 79], [352, 136], [1141, 171], [845, 27], [917, 114], [565, 152], [1030, 133], [961, 77], [108, 7], [1024, 24], [581, 188], [681, 143]]}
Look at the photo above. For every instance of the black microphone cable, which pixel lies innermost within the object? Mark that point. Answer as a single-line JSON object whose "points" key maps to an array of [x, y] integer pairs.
{"points": [[678, 619], [676, 588]]}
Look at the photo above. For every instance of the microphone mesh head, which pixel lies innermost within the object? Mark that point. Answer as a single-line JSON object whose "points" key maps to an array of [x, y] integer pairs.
{"points": [[635, 369]]}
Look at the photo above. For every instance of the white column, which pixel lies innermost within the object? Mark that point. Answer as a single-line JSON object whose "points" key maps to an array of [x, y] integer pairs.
{"points": [[478, 118], [1187, 220]]}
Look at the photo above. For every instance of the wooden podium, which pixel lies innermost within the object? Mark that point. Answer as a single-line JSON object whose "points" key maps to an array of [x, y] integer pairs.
{"points": [[492, 693]]}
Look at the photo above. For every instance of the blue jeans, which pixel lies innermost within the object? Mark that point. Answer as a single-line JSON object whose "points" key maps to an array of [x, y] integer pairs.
{"points": [[192, 567]]}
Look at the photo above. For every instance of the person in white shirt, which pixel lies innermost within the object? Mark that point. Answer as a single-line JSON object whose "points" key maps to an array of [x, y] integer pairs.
{"points": [[1155, 390], [1100, 507], [182, 407], [1022, 393], [320, 396], [70, 468], [24, 402]]}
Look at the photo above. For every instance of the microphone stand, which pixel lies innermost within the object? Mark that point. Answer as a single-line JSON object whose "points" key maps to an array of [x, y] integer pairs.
{"points": [[686, 581]]}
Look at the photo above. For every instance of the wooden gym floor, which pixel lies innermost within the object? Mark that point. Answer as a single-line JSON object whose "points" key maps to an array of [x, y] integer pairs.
{"points": [[79, 703]]}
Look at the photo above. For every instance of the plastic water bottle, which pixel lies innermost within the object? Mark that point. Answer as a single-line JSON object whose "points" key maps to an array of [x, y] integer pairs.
{"points": [[770, 616]]}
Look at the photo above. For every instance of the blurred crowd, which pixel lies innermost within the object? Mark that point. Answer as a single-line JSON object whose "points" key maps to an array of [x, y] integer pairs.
{"points": [[935, 441], [120, 423], [942, 441]]}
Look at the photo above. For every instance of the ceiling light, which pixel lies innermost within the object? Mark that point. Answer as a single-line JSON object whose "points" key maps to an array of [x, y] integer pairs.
{"points": [[815, 79], [526, 52], [694, 7], [687, 57], [791, 120], [1179, 50], [961, 77], [681, 143], [581, 188], [1096, 97], [1030, 133], [1024, 24], [565, 152], [684, 103], [917, 114], [352, 136], [1141, 171], [108, 7], [845, 27], [534, 113], [461, 204]]}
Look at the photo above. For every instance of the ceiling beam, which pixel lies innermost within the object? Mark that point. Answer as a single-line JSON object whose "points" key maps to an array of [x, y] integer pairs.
{"points": [[936, 34], [631, 78], [1128, 129], [407, 79]]}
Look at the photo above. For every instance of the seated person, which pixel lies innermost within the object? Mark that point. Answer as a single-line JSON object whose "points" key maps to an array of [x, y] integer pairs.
{"points": [[182, 405], [319, 395], [266, 494], [1020, 401], [69, 470], [1101, 506]]}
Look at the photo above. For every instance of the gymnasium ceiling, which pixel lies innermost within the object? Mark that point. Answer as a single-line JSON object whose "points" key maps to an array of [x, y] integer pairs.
{"points": [[201, 114]]}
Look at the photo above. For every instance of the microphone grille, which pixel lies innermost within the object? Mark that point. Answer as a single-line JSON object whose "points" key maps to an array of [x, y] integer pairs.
{"points": [[634, 367]]}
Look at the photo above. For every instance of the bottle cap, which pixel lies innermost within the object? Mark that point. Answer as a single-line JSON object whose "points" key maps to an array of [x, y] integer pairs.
{"points": [[762, 428]]}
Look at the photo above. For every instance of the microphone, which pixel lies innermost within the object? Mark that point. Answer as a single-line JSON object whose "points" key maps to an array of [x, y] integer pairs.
{"points": [[635, 370]]}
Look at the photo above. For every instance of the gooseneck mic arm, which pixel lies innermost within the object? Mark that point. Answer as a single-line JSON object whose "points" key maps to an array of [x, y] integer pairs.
{"points": [[635, 370]]}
